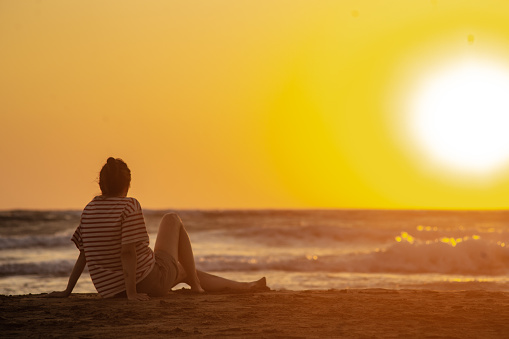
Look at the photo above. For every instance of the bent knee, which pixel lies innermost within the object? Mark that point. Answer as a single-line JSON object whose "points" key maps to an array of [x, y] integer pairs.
{"points": [[171, 218]]}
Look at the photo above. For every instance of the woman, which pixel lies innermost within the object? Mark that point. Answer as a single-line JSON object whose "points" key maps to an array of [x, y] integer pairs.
{"points": [[113, 242]]}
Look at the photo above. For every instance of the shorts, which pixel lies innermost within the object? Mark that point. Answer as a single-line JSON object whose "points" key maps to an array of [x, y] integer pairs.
{"points": [[162, 277]]}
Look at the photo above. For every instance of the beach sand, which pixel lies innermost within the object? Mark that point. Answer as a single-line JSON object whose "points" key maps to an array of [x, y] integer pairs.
{"points": [[371, 313]]}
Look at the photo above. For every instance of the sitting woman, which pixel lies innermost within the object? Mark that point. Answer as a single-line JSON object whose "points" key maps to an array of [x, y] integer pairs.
{"points": [[113, 242]]}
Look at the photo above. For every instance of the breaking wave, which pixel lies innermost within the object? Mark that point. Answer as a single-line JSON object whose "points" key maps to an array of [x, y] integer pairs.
{"points": [[473, 257]]}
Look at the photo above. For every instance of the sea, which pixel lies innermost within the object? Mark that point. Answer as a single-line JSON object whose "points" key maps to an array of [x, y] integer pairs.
{"points": [[293, 249]]}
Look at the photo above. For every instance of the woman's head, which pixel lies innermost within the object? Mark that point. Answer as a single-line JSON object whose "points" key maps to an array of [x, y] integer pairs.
{"points": [[114, 178]]}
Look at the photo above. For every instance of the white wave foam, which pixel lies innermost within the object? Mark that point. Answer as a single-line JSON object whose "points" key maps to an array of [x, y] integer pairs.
{"points": [[473, 257]]}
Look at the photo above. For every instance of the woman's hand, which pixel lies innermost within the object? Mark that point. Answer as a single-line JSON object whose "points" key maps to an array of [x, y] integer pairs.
{"points": [[58, 294], [75, 275], [138, 297]]}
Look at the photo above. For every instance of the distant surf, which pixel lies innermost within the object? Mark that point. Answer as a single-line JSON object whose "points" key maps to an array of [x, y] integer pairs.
{"points": [[294, 249]]}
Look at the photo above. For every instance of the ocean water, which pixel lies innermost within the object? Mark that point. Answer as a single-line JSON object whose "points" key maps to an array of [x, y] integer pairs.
{"points": [[295, 250]]}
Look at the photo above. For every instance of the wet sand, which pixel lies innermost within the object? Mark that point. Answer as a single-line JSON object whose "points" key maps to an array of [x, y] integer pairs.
{"points": [[372, 313]]}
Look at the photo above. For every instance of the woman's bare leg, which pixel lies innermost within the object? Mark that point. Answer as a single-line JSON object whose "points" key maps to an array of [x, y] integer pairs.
{"points": [[172, 239], [214, 283]]}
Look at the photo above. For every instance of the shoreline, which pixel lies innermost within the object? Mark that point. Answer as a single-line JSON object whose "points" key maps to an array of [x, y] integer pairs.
{"points": [[350, 313]]}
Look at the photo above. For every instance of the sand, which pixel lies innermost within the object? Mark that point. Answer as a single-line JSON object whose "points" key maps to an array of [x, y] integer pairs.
{"points": [[372, 313]]}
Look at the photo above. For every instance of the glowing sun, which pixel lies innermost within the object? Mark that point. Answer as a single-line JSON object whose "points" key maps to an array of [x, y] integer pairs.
{"points": [[459, 117]]}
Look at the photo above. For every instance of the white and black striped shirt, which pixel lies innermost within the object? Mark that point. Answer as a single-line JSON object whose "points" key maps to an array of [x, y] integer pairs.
{"points": [[107, 224]]}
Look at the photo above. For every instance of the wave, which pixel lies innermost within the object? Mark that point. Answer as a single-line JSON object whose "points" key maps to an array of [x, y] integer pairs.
{"points": [[52, 268], [320, 236], [473, 257], [281, 236], [22, 223], [35, 241], [310, 235]]}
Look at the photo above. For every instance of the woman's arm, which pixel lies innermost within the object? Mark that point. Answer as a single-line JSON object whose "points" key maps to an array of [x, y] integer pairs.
{"points": [[79, 266], [128, 256]]}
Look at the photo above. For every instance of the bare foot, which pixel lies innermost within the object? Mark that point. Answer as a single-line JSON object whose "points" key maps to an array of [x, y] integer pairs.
{"points": [[258, 284], [197, 289], [196, 286]]}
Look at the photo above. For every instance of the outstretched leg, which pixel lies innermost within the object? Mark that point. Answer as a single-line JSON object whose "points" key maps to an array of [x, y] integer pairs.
{"points": [[172, 239], [214, 283]]}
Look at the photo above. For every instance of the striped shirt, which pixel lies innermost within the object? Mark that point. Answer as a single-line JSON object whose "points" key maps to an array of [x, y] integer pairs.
{"points": [[107, 224]]}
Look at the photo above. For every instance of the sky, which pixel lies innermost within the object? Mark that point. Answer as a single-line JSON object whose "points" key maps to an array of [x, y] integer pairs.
{"points": [[254, 104]]}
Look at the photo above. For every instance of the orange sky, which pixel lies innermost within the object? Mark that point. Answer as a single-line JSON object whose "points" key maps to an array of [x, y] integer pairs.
{"points": [[231, 104]]}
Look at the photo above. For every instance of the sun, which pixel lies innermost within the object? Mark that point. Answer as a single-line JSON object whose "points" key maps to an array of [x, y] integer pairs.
{"points": [[458, 118]]}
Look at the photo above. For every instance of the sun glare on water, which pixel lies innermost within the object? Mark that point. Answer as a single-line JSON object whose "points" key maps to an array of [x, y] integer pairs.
{"points": [[458, 117]]}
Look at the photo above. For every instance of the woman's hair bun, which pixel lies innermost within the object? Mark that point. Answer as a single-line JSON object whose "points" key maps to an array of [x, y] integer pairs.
{"points": [[111, 161], [114, 177]]}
